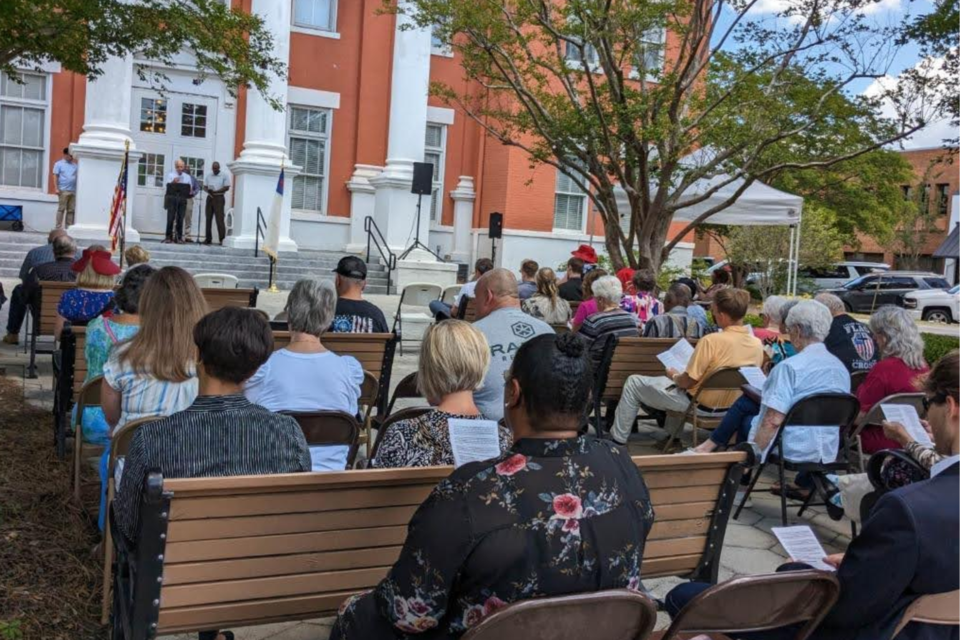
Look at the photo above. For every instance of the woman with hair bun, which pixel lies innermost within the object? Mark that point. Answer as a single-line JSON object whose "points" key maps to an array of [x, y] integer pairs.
{"points": [[560, 512]]}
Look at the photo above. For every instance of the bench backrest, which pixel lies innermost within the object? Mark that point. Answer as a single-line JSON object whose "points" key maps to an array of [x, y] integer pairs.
{"points": [[469, 311], [220, 298], [630, 356], [260, 549], [50, 292]]}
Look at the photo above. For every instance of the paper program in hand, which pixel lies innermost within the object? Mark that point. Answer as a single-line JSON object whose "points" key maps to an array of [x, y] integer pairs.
{"points": [[906, 415], [802, 545], [678, 356], [754, 375], [473, 440]]}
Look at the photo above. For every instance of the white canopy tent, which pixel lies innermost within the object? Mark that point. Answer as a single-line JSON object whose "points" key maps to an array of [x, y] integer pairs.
{"points": [[758, 205]]}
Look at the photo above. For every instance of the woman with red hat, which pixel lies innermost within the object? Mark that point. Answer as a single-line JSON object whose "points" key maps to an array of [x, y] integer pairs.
{"points": [[96, 277], [586, 253]]}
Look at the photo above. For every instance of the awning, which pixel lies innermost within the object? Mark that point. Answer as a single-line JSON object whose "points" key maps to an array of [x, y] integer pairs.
{"points": [[951, 246]]}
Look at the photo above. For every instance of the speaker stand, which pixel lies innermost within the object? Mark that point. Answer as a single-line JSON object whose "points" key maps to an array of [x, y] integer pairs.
{"points": [[416, 239], [493, 251]]}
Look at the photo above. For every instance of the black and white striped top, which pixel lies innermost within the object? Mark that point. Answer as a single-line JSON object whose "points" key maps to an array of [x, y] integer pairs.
{"points": [[215, 436]]}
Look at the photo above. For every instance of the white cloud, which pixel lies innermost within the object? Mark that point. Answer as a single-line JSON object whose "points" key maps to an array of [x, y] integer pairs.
{"points": [[935, 131]]}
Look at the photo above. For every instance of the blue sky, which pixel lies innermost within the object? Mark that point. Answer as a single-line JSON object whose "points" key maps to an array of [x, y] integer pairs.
{"points": [[884, 13]]}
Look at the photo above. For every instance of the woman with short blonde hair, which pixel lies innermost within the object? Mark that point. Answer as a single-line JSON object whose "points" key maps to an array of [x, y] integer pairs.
{"points": [[96, 277], [454, 358]]}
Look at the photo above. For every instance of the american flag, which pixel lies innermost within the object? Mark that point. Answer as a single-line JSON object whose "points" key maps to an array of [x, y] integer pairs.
{"points": [[119, 204]]}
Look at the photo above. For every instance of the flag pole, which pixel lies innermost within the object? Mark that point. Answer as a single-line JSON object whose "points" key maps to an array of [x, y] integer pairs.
{"points": [[123, 215], [274, 255]]}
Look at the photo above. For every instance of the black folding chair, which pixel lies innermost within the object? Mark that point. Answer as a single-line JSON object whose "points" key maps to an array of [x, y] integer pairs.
{"points": [[821, 410], [328, 428]]}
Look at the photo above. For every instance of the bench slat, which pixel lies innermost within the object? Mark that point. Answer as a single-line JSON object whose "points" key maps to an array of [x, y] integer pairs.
{"points": [[684, 494], [241, 614], [680, 528], [285, 544], [189, 572], [656, 479], [667, 512], [677, 565], [674, 547], [223, 528]]}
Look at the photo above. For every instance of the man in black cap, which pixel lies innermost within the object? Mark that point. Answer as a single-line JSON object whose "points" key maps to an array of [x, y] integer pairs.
{"points": [[354, 314]]}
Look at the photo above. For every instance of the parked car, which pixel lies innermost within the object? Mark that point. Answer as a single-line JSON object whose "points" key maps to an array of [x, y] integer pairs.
{"points": [[866, 293], [934, 305], [839, 274]]}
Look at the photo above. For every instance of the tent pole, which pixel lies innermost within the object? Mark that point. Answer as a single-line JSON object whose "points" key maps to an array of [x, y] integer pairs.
{"points": [[796, 253], [789, 261]]}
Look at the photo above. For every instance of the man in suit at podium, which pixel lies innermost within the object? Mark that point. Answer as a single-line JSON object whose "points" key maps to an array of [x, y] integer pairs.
{"points": [[179, 184]]}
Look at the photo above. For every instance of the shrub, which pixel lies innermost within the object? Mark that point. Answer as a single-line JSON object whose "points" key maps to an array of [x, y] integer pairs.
{"points": [[936, 346]]}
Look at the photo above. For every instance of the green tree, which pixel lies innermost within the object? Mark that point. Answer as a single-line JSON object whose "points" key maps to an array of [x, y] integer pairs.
{"points": [[582, 85], [82, 34], [917, 220]]}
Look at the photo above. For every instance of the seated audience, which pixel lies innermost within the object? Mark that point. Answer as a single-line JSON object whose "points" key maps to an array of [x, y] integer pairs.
{"points": [[588, 254], [528, 279], [546, 304], [900, 367], [154, 372], [589, 305], [739, 417], [454, 358], [506, 328], [96, 278], [849, 340], [136, 255], [305, 375], [733, 346], [813, 370], [609, 322], [676, 322], [560, 513], [441, 310], [59, 270], [103, 334], [18, 298], [571, 288], [625, 276], [354, 314], [720, 280], [896, 473], [907, 547], [642, 302], [768, 332]]}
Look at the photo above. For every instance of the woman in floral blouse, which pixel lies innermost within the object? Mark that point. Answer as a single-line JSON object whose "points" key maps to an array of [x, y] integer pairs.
{"points": [[454, 357], [559, 513]]}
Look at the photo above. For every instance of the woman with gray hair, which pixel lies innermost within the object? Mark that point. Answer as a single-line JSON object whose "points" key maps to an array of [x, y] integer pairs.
{"points": [[900, 368], [609, 320], [305, 376]]}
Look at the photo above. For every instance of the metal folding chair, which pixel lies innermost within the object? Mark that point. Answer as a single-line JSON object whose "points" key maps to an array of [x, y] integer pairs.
{"points": [[875, 417], [415, 295], [330, 428], [726, 379]]}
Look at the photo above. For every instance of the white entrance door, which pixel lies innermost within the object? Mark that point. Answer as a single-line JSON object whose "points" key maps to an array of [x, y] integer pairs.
{"points": [[167, 127]]}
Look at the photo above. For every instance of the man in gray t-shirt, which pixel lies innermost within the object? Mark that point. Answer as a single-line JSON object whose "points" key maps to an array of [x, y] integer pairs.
{"points": [[506, 327]]}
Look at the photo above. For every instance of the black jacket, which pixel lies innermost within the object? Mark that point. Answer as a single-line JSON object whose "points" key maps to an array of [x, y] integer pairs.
{"points": [[908, 548], [572, 290]]}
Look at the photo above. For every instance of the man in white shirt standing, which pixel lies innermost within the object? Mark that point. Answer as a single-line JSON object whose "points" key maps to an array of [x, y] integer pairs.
{"points": [[216, 185], [176, 207], [65, 170]]}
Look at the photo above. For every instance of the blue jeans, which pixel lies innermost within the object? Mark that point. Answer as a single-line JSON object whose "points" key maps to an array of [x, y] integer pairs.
{"points": [[737, 420], [440, 310], [682, 594]]}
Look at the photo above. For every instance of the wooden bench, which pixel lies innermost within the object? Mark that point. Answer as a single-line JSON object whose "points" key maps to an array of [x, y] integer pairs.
{"points": [[625, 357], [43, 318], [230, 552], [468, 311], [220, 298]]}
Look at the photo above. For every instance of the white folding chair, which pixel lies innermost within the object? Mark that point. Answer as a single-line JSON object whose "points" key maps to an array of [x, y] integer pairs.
{"points": [[216, 281], [450, 294], [416, 296]]}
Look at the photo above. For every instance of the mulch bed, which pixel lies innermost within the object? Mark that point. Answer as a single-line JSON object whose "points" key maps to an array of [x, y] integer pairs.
{"points": [[49, 578]]}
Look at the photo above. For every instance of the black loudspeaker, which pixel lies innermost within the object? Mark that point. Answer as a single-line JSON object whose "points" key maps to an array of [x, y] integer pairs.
{"points": [[496, 225], [422, 178]]}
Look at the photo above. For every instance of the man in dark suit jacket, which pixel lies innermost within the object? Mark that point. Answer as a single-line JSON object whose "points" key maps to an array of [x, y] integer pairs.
{"points": [[572, 288]]}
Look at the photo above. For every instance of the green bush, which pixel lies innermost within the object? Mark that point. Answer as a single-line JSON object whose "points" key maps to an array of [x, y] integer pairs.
{"points": [[753, 320], [936, 346]]}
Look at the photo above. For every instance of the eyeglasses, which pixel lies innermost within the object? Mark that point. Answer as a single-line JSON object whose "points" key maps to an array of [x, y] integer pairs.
{"points": [[940, 398]]}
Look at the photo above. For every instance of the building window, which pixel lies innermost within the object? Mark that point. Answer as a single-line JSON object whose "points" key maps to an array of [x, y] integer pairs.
{"points": [[195, 167], [907, 191], [570, 204], [153, 115], [150, 170], [309, 148], [193, 120], [588, 55], [315, 14], [925, 198], [435, 153], [943, 198], [650, 51], [23, 108]]}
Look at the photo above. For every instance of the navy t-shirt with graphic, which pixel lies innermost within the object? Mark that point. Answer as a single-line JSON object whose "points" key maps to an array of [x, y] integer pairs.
{"points": [[852, 343], [358, 316]]}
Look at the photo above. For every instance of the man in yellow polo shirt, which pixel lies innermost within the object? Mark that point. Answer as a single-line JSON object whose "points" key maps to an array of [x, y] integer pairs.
{"points": [[733, 346]]}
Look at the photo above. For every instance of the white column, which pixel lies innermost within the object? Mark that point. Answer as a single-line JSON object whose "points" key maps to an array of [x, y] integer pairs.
{"points": [[99, 151], [265, 145], [362, 204], [463, 198], [395, 206]]}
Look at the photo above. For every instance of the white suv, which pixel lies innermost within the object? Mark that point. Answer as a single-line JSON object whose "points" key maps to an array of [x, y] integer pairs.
{"points": [[839, 274], [934, 305]]}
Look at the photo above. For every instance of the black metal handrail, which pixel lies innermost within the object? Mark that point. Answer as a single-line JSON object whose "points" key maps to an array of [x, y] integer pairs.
{"points": [[260, 233], [388, 257]]}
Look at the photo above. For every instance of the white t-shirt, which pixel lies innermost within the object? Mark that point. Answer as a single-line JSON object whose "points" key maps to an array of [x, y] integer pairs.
{"points": [[468, 290], [182, 178], [291, 381]]}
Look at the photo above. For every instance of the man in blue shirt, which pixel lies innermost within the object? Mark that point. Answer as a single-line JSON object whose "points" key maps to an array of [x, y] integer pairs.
{"points": [[65, 170]]}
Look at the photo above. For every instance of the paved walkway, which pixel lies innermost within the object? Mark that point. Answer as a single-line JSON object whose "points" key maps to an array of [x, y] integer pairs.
{"points": [[749, 547]]}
